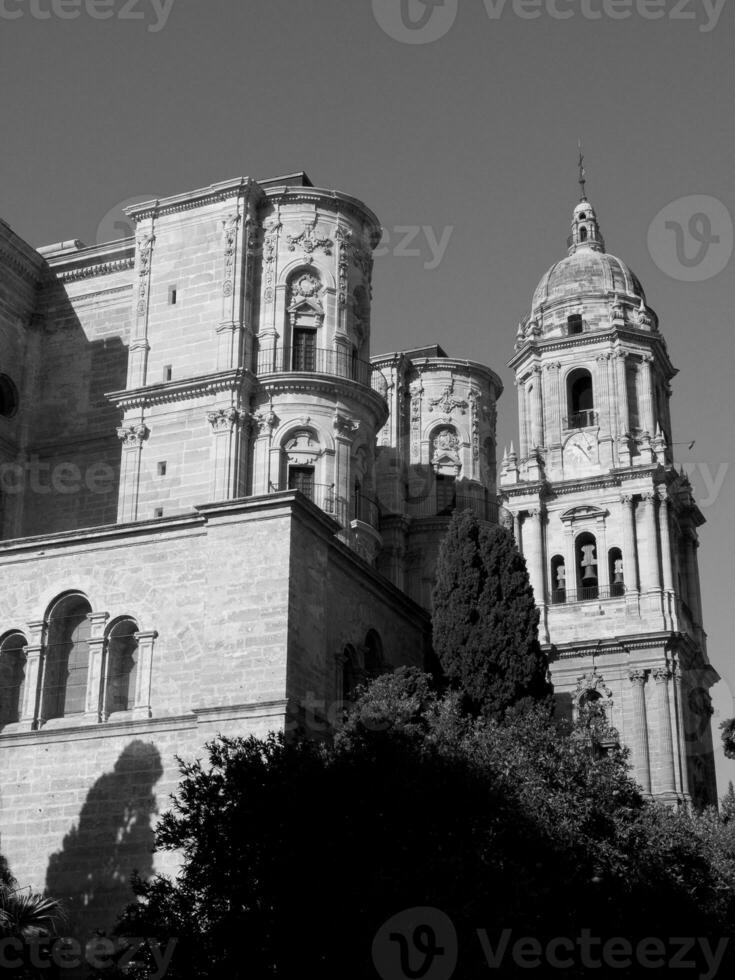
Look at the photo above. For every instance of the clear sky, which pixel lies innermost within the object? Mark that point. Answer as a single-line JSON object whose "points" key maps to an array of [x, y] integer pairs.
{"points": [[470, 139]]}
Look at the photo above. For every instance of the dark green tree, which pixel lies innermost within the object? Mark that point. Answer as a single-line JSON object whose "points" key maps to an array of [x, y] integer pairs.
{"points": [[485, 621], [295, 855], [728, 737]]}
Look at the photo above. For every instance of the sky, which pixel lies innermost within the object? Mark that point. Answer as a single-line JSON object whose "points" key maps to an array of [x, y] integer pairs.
{"points": [[457, 122]]}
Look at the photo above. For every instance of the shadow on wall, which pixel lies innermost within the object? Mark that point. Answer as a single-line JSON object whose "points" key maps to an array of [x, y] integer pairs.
{"points": [[114, 837], [72, 474]]}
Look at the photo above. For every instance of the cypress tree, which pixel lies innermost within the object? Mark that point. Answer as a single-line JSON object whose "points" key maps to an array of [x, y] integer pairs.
{"points": [[485, 622]]}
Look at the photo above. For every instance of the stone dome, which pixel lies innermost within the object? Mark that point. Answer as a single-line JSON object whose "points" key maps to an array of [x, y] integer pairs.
{"points": [[588, 269]]}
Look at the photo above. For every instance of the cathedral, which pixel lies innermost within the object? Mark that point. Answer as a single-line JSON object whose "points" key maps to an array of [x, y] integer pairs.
{"points": [[221, 511]]}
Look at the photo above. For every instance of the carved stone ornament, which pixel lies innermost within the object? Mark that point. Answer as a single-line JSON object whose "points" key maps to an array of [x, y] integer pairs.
{"points": [[345, 426], [310, 240], [133, 436], [447, 402], [224, 419], [230, 225], [590, 682]]}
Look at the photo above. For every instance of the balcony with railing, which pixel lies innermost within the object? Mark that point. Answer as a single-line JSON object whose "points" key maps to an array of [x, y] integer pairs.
{"points": [[439, 505], [582, 420], [358, 508], [588, 593], [317, 360]]}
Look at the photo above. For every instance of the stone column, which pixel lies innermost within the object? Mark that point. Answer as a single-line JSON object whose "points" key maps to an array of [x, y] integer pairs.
{"points": [[652, 577], [96, 683], [603, 565], [537, 410], [681, 731], [602, 399], [344, 434], [640, 730], [630, 568], [645, 393], [132, 435], [665, 534], [662, 676], [263, 479], [144, 674], [139, 346], [552, 404], [230, 429], [622, 391], [30, 710], [533, 551], [522, 420]]}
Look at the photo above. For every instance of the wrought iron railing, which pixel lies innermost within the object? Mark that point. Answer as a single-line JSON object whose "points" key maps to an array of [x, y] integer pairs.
{"points": [[365, 509], [586, 594], [433, 506], [314, 360], [582, 420]]}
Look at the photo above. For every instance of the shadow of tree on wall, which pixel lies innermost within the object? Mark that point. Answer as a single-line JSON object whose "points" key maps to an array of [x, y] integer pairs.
{"points": [[113, 838]]}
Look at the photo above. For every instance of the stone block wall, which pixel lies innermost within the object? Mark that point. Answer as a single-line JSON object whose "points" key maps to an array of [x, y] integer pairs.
{"points": [[251, 602]]}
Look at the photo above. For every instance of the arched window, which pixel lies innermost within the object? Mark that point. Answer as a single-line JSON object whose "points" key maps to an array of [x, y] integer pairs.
{"points": [[615, 567], [583, 234], [558, 580], [351, 674], [12, 676], [374, 663], [575, 324], [67, 658], [586, 556], [122, 665], [305, 314], [8, 397], [580, 399]]}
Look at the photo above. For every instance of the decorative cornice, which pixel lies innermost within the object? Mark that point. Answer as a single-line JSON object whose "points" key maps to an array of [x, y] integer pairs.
{"points": [[191, 200], [330, 385], [181, 390], [100, 269]]}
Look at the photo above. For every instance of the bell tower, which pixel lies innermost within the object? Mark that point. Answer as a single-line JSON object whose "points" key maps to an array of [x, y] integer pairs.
{"points": [[607, 524]]}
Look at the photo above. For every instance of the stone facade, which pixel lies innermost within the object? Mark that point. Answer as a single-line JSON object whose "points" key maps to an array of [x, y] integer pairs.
{"points": [[607, 525], [188, 423], [198, 456]]}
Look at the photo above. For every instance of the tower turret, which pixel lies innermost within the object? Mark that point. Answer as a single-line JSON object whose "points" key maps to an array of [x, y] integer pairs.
{"points": [[599, 512]]}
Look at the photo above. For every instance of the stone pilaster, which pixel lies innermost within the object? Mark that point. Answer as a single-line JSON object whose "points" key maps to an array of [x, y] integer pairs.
{"points": [[230, 432], [641, 753], [537, 411], [652, 579], [681, 739], [31, 708], [645, 392], [139, 346], [630, 567], [132, 436], [96, 681], [667, 775], [144, 674]]}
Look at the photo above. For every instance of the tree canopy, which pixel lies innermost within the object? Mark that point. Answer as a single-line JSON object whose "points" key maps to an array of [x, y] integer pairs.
{"points": [[485, 620], [296, 856]]}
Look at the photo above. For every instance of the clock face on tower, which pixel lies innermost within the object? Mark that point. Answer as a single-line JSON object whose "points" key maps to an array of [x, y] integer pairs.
{"points": [[580, 452]]}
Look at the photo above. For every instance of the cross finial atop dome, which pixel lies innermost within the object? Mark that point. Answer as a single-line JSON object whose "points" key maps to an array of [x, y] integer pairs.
{"points": [[582, 173]]}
